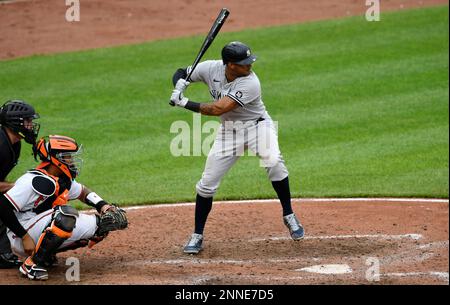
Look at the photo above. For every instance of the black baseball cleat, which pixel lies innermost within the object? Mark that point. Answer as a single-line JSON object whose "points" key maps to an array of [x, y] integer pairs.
{"points": [[194, 245], [295, 228], [32, 271], [9, 261]]}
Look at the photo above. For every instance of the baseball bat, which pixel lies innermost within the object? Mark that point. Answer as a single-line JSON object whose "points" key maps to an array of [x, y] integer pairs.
{"points": [[217, 25]]}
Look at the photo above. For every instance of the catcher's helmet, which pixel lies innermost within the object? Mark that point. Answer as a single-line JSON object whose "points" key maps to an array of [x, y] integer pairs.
{"points": [[14, 113], [61, 151], [238, 53]]}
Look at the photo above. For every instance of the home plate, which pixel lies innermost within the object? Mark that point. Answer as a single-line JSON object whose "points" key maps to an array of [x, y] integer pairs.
{"points": [[328, 269]]}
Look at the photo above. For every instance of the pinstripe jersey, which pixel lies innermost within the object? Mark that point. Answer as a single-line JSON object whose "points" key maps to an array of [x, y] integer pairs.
{"points": [[246, 91]]}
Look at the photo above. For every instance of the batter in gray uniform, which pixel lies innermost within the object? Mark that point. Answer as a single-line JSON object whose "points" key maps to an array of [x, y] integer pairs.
{"points": [[236, 91]]}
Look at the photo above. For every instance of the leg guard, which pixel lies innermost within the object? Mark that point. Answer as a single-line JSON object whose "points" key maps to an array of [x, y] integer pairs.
{"points": [[53, 237], [75, 245]]}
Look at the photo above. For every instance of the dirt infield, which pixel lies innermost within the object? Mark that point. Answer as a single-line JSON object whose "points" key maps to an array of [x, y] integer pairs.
{"points": [[247, 243], [40, 27]]}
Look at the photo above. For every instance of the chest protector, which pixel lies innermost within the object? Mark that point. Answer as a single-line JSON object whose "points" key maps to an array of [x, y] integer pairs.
{"points": [[57, 193]]}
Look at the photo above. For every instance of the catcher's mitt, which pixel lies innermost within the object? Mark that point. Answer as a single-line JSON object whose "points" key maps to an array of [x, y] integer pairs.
{"points": [[113, 219]]}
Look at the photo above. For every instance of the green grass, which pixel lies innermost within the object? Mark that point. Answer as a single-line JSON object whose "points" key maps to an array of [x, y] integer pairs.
{"points": [[362, 109]]}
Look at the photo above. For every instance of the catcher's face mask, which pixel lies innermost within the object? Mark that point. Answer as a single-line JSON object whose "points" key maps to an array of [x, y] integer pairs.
{"points": [[62, 152], [72, 160]]}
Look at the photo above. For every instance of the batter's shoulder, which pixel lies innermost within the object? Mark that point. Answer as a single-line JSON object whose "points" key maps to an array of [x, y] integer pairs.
{"points": [[210, 64], [204, 70], [251, 81], [213, 65]]}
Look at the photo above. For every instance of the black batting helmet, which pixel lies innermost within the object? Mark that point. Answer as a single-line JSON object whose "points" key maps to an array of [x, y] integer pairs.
{"points": [[13, 115], [238, 53]]}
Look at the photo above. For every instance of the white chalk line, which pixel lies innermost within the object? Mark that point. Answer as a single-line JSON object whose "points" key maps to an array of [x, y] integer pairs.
{"points": [[410, 255], [240, 262], [198, 280], [205, 279], [433, 245], [374, 236], [259, 201], [210, 261], [444, 276], [440, 275]]}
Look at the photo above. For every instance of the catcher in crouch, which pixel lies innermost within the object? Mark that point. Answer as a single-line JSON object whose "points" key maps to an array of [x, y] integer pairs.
{"points": [[35, 210]]}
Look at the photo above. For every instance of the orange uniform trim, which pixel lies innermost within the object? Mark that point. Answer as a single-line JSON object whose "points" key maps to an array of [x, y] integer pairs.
{"points": [[38, 245], [61, 199], [63, 167], [41, 167], [29, 261], [55, 230], [59, 232]]}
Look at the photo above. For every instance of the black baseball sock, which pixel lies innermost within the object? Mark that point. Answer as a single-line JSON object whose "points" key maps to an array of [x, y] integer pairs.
{"points": [[284, 194], [202, 208]]}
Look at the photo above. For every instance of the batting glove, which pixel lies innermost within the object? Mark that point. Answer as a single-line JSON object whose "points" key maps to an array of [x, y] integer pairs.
{"points": [[178, 98], [181, 85]]}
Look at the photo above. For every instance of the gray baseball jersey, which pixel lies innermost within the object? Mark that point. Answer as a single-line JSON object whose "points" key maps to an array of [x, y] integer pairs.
{"points": [[231, 141], [246, 91]]}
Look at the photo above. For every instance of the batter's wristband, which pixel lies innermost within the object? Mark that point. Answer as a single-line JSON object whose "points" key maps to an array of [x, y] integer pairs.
{"points": [[193, 106]]}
